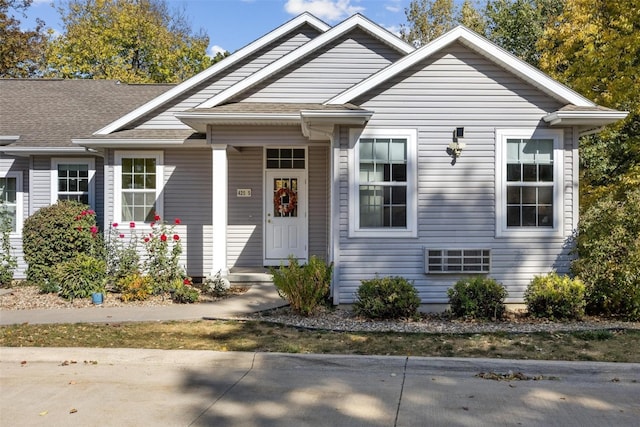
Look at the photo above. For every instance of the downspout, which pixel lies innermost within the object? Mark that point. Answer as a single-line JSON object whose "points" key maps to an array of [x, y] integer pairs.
{"points": [[334, 217]]}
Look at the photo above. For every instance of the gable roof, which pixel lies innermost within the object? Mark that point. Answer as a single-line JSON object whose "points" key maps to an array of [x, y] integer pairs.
{"points": [[300, 20], [47, 113], [484, 47], [355, 21]]}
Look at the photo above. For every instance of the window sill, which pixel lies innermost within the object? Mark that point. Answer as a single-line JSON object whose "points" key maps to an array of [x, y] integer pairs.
{"points": [[529, 233], [385, 234]]}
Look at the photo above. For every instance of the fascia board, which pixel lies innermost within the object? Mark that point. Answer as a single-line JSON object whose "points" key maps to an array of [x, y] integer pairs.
{"points": [[8, 139], [588, 118], [27, 151], [126, 141], [480, 45], [323, 39], [305, 18]]}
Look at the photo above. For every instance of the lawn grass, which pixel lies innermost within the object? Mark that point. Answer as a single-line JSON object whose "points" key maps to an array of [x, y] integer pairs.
{"points": [[602, 345]]}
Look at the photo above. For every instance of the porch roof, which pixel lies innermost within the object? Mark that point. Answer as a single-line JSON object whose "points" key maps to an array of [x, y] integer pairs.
{"points": [[317, 120]]}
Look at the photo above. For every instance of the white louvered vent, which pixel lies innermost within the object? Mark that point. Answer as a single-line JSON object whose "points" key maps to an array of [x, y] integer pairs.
{"points": [[439, 261]]}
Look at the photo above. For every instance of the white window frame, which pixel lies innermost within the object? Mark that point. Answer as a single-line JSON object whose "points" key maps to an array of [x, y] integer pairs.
{"points": [[557, 135], [411, 229], [117, 182], [19, 201], [91, 164]]}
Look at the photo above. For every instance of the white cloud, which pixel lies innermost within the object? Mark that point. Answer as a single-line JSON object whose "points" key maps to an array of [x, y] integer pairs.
{"points": [[330, 10], [215, 49], [393, 9], [394, 29]]}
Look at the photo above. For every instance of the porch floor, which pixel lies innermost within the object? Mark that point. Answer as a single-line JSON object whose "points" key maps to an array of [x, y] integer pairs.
{"points": [[249, 274]]}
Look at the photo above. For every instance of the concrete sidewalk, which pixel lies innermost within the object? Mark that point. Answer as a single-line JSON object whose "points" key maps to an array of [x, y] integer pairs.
{"points": [[122, 387], [261, 296]]}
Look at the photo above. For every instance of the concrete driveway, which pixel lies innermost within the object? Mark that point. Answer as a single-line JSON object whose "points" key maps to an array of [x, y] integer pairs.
{"points": [[135, 387]]}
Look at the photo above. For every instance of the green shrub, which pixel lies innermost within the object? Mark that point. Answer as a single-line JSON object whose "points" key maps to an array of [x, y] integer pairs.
{"points": [[555, 297], [57, 233], [184, 292], [477, 297], [304, 287], [135, 287], [608, 247], [79, 277], [387, 298]]}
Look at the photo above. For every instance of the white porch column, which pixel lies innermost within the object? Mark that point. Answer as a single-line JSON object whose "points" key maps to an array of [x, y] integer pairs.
{"points": [[219, 208]]}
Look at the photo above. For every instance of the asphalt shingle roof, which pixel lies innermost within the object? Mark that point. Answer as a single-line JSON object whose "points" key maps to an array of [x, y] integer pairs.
{"points": [[49, 113]]}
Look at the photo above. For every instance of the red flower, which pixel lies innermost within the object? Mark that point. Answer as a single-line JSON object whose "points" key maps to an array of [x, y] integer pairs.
{"points": [[146, 239], [163, 237], [177, 221], [83, 213], [156, 217], [91, 212], [176, 237], [152, 224], [79, 228], [187, 281], [114, 225], [132, 224], [121, 236], [78, 217], [94, 229]]}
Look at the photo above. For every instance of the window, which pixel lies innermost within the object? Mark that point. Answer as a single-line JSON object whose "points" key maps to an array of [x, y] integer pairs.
{"points": [[530, 179], [383, 195], [73, 179], [457, 260], [11, 198], [285, 158], [138, 183]]}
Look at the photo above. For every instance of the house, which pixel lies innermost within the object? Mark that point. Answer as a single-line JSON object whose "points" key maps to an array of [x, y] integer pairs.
{"points": [[342, 142]]}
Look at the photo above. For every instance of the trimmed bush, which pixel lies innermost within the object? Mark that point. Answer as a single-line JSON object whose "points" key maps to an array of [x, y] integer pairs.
{"points": [[184, 292], [477, 297], [387, 298], [79, 277], [555, 297], [135, 287], [304, 287], [58, 233]]}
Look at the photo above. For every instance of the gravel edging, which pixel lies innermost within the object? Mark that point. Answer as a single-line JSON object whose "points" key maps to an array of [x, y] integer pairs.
{"points": [[341, 320]]}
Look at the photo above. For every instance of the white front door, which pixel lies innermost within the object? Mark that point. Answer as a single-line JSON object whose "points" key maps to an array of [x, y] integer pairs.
{"points": [[285, 216]]}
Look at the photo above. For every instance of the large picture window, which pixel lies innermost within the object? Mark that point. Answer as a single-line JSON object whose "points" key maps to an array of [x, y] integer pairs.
{"points": [[138, 186], [530, 195], [73, 179], [383, 199], [11, 198]]}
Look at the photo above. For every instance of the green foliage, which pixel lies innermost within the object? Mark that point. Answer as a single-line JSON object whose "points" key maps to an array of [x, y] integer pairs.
{"points": [[555, 297], [216, 285], [477, 297], [21, 50], [8, 262], [304, 287], [427, 20], [387, 298], [133, 41], [135, 287], [79, 277], [184, 292], [58, 233], [608, 246], [123, 258], [163, 250]]}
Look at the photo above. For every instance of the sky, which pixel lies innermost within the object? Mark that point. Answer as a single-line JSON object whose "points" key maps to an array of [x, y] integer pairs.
{"points": [[232, 24]]}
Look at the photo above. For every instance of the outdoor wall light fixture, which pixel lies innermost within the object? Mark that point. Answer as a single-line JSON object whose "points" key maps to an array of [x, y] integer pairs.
{"points": [[455, 147]]}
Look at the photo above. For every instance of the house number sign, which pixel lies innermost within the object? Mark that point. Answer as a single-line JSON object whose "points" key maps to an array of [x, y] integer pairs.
{"points": [[243, 192]]}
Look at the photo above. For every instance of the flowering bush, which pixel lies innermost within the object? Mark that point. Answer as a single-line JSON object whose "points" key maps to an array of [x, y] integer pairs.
{"points": [[8, 262], [163, 249], [58, 233], [184, 292], [123, 258]]}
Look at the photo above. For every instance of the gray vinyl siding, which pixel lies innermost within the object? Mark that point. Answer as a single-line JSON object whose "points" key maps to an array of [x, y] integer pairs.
{"points": [[40, 183], [164, 118], [456, 203], [327, 71], [319, 201]]}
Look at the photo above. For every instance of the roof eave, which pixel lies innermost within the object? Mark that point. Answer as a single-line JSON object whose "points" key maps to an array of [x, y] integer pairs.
{"points": [[28, 151], [584, 118], [8, 139], [200, 121], [128, 143]]}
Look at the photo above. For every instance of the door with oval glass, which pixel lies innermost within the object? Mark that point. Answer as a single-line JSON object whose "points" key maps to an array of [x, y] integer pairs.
{"points": [[286, 216]]}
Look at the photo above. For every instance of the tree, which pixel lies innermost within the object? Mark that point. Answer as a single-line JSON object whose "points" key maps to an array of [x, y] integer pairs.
{"points": [[517, 25], [134, 41], [471, 17], [427, 20], [21, 51]]}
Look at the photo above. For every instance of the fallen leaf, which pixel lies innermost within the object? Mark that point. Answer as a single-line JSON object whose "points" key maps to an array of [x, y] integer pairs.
{"points": [[24, 362], [615, 380], [43, 413], [72, 382], [65, 363], [466, 408], [73, 411]]}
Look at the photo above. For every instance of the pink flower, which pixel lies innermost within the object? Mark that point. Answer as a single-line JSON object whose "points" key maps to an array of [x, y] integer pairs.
{"points": [[177, 221], [121, 236], [83, 213], [78, 217], [156, 217], [132, 224], [79, 228], [163, 237], [176, 237], [146, 239], [114, 225], [94, 229], [91, 212]]}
